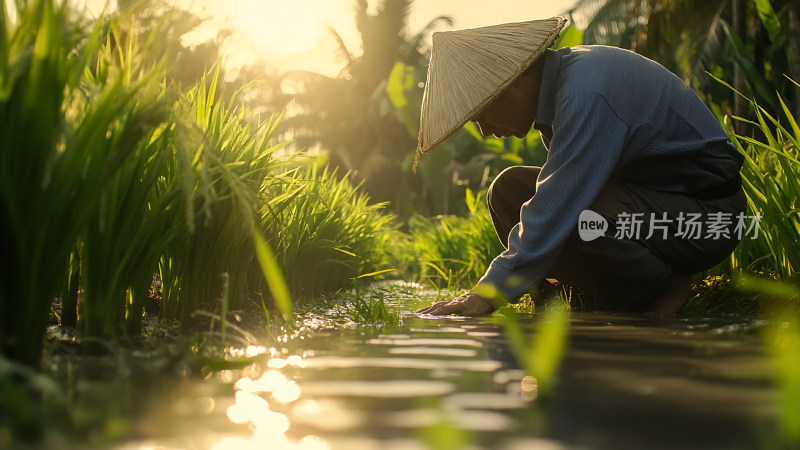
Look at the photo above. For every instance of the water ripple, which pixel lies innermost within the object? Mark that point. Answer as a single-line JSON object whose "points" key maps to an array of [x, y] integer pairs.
{"points": [[330, 362]]}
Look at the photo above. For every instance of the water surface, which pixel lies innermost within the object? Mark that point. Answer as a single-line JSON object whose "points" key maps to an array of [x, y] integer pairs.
{"points": [[626, 382]]}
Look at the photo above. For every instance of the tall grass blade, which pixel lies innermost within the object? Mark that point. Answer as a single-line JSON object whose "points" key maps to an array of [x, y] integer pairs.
{"points": [[273, 276], [225, 304]]}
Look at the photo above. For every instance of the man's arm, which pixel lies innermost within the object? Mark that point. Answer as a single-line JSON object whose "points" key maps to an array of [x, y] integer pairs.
{"points": [[586, 146]]}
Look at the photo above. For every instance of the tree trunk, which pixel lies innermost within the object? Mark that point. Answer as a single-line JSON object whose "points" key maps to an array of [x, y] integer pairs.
{"points": [[739, 83], [794, 51]]}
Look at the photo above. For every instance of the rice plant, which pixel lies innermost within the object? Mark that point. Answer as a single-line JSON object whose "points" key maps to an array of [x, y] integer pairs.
{"points": [[126, 233], [230, 165], [324, 231], [455, 251], [183, 203], [70, 292], [105, 181], [61, 146], [769, 178], [370, 309]]}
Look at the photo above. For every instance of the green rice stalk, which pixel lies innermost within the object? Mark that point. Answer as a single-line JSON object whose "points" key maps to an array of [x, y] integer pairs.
{"points": [[170, 286], [225, 304], [371, 310], [69, 297]]}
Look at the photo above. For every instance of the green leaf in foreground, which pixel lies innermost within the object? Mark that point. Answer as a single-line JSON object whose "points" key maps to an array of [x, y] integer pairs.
{"points": [[272, 273], [784, 344], [541, 356], [783, 341], [769, 287]]}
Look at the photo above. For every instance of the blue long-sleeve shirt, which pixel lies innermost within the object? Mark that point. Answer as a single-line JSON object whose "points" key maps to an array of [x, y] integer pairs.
{"points": [[607, 114]]}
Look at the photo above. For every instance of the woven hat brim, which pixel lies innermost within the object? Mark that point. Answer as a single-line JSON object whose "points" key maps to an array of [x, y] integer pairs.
{"points": [[448, 68]]}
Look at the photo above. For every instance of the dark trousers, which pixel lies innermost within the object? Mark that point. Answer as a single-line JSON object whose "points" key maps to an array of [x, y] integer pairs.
{"points": [[629, 271]]}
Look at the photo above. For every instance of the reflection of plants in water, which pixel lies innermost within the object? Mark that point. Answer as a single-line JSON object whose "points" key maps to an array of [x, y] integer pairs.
{"points": [[541, 354], [19, 413]]}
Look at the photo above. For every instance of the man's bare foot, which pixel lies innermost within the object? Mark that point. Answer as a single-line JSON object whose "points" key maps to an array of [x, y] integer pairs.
{"points": [[675, 298], [544, 291]]}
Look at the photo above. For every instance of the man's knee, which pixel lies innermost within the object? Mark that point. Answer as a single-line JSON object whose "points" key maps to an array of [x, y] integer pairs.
{"points": [[503, 181], [516, 184]]}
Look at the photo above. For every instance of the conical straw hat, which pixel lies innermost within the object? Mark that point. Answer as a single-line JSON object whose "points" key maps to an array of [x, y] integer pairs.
{"points": [[470, 68]]}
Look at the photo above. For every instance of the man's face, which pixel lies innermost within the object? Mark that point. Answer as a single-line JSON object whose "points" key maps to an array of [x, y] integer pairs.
{"points": [[510, 114]]}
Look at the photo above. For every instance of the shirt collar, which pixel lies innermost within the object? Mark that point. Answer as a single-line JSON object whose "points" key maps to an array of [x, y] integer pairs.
{"points": [[546, 110]]}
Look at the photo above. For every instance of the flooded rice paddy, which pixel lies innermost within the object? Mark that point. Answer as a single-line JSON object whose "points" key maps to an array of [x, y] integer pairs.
{"points": [[625, 382]]}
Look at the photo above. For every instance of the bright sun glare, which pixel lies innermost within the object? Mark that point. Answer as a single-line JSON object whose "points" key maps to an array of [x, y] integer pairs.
{"points": [[283, 32], [279, 26], [261, 28]]}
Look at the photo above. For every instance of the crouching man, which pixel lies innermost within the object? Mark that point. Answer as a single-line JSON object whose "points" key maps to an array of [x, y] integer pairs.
{"points": [[641, 186]]}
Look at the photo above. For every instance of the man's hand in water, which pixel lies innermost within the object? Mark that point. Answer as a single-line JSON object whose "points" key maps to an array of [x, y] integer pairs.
{"points": [[469, 304]]}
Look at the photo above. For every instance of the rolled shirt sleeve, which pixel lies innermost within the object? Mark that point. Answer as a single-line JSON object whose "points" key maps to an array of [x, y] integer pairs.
{"points": [[588, 137]]}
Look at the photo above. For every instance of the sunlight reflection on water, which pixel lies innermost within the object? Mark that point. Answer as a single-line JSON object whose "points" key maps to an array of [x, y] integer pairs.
{"points": [[268, 427], [313, 403], [382, 389], [439, 342], [449, 352], [200, 405], [327, 415], [271, 442], [283, 390], [250, 351], [441, 329]]}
